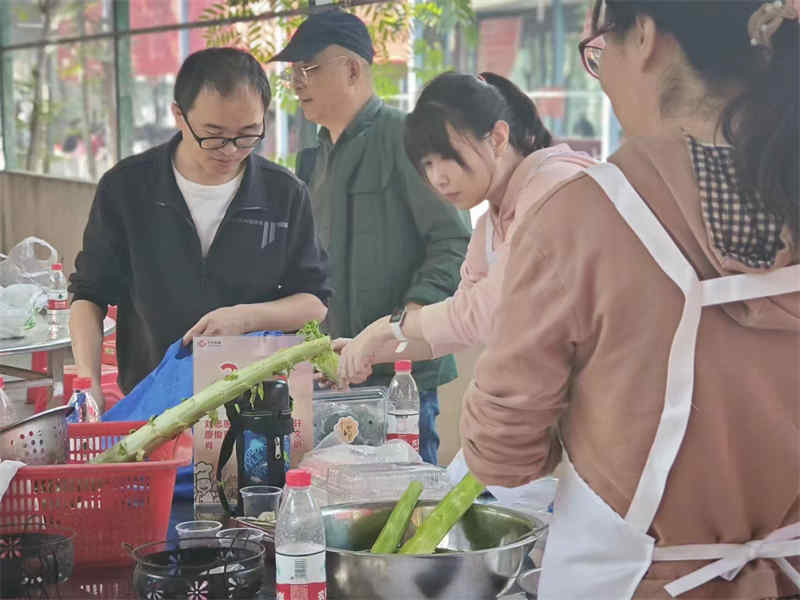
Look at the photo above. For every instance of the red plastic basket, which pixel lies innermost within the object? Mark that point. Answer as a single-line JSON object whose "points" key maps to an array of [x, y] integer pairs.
{"points": [[107, 505]]}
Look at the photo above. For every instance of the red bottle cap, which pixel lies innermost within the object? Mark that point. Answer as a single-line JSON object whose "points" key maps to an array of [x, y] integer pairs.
{"points": [[82, 383], [2, 383], [56, 267], [402, 366], [298, 478]]}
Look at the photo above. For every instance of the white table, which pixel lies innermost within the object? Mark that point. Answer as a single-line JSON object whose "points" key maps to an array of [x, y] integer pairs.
{"points": [[41, 339]]}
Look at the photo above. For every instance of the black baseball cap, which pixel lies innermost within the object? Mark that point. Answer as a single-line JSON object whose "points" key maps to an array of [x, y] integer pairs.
{"points": [[323, 29]]}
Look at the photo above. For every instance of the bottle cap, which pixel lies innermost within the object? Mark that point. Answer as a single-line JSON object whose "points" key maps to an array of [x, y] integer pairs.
{"points": [[56, 267], [2, 383], [82, 383], [298, 478], [402, 366]]}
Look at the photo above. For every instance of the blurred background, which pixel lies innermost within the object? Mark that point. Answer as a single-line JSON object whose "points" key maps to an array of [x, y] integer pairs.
{"points": [[85, 83]]}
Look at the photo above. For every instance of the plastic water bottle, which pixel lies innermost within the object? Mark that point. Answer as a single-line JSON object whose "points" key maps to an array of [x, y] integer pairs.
{"points": [[86, 409], [6, 412], [57, 302], [402, 406], [299, 542]]}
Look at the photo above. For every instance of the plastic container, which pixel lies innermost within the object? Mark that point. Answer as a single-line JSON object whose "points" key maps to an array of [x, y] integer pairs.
{"points": [[359, 413], [6, 411], [86, 409], [402, 406], [260, 499], [196, 529], [299, 542], [382, 482], [108, 504], [234, 535], [57, 300]]}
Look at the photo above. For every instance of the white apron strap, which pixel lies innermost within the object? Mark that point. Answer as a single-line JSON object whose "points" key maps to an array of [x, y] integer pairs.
{"points": [[680, 370], [777, 546], [735, 288]]}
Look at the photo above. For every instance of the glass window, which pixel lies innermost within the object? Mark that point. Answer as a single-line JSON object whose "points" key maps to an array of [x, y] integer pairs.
{"points": [[537, 50], [34, 20], [62, 109]]}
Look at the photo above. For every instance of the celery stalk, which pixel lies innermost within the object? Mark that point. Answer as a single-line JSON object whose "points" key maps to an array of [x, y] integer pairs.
{"points": [[174, 420], [444, 516], [326, 362], [396, 524]]}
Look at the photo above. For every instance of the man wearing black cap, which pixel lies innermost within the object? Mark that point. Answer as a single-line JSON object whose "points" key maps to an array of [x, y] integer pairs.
{"points": [[392, 244]]}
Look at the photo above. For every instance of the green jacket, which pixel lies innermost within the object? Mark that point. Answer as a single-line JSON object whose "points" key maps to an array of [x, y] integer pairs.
{"points": [[390, 239]]}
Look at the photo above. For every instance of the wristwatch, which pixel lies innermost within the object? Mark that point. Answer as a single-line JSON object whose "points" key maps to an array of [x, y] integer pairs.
{"points": [[396, 322]]}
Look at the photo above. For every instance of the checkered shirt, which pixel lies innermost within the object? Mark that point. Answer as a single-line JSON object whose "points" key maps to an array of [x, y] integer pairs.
{"points": [[740, 229]]}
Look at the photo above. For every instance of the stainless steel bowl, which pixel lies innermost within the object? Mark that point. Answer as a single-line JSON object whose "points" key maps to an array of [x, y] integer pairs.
{"points": [[478, 560], [38, 440]]}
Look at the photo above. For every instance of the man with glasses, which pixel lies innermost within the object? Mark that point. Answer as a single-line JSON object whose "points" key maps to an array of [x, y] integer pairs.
{"points": [[199, 236], [393, 244]]}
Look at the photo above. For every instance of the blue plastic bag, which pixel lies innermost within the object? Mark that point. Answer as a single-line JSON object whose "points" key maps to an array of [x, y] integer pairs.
{"points": [[167, 385]]}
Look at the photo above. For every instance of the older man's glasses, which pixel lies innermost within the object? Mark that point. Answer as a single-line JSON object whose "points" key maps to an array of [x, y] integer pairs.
{"points": [[301, 74], [215, 142], [591, 50]]}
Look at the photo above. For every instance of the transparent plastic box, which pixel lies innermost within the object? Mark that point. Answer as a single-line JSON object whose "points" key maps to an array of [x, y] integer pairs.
{"points": [[359, 414], [384, 482]]}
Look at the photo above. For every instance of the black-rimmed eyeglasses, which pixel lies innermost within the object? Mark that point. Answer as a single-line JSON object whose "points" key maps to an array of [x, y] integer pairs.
{"points": [[591, 50], [215, 142]]}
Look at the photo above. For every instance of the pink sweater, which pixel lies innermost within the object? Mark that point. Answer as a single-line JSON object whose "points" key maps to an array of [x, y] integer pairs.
{"points": [[464, 319], [580, 344]]}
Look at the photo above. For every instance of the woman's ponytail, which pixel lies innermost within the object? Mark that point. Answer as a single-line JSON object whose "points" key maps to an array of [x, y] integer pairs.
{"points": [[471, 105], [528, 133]]}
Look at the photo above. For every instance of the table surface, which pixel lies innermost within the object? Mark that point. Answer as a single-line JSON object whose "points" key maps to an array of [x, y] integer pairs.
{"points": [[39, 339], [116, 583]]}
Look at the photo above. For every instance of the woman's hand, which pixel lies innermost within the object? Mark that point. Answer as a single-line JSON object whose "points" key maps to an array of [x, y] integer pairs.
{"points": [[323, 382], [358, 355]]}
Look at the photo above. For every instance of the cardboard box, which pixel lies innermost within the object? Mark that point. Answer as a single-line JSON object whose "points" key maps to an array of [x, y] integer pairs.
{"points": [[215, 357]]}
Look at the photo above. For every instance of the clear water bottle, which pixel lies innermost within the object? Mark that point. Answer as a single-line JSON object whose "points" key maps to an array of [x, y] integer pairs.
{"points": [[86, 409], [6, 411], [402, 406], [299, 542], [57, 301]]}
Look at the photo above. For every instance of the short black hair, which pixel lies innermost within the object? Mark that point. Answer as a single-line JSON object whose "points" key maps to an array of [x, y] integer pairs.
{"points": [[221, 69], [471, 105]]}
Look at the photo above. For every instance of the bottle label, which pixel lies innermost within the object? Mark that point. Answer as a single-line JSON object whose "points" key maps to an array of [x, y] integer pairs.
{"points": [[57, 300], [404, 426], [412, 439], [300, 576]]}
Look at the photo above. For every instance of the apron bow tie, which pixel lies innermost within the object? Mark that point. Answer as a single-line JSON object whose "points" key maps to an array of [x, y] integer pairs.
{"points": [[733, 557]]}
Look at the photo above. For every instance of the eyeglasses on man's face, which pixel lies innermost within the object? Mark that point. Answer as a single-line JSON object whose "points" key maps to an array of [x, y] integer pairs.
{"points": [[591, 50], [215, 142], [298, 74]]}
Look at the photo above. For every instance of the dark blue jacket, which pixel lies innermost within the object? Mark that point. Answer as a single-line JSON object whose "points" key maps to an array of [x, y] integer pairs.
{"points": [[141, 251]]}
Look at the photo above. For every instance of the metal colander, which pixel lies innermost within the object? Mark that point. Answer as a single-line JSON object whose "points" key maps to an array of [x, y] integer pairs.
{"points": [[38, 440]]}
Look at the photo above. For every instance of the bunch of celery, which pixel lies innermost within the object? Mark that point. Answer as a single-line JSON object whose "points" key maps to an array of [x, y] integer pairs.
{"points": [[433, 529], [170, 423]]}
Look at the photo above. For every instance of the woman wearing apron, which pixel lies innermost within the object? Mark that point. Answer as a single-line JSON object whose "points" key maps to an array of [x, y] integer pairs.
{"points": [[650, 319], [473, 139]]}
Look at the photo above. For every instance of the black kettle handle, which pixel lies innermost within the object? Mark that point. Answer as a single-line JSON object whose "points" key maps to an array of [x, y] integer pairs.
{"points": [[225, 453]]}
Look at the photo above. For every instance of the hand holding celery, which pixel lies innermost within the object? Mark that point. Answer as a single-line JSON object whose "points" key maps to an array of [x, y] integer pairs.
{"points": [[316, 348]]}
